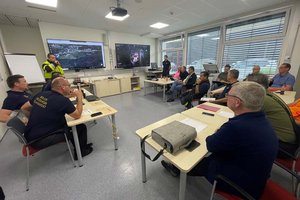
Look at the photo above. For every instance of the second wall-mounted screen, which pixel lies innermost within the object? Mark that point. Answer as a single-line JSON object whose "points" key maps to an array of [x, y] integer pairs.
{"points": [[77, 54], [132, 55]]}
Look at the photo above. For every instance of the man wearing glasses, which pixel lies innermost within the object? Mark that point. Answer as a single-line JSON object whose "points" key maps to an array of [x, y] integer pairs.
{"points": [[47, 114], [283, 80], [244, 148]]}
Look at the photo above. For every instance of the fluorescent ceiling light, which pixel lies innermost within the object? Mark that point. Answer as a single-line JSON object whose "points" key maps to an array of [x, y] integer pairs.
{"points": [[203, 35], [110, 16], [50, 3], [215, 38], [159, 25]]}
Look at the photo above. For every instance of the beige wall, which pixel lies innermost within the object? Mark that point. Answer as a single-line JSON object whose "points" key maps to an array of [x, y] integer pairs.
{"points": [[18, 39], [59, 31], [3, 86]]}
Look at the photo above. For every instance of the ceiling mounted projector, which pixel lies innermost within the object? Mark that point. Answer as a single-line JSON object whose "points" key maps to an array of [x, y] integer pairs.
{"points": [[118, 11]]}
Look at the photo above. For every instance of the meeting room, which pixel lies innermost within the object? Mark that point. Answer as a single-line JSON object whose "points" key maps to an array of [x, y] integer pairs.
{"points": [[149, 100]]}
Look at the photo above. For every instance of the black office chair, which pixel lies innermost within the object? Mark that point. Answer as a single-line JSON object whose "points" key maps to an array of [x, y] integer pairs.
{"points": [[292, 161], [16, 124]]}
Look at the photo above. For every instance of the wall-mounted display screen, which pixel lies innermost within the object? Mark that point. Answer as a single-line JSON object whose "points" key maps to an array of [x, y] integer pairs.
{"points": [[77, 54], [132, 55]]}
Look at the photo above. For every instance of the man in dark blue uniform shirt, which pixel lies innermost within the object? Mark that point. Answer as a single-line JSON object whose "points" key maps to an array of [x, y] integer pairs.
{"points": [[166, 67], [244, 148], [48, 109], [16, 97]]}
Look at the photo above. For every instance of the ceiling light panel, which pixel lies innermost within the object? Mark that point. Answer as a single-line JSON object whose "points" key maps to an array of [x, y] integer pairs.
{"points": [[159, 25], [48, 3]]}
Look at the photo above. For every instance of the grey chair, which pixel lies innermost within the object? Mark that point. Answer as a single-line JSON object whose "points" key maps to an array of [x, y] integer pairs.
{"points": [[17, 124]]}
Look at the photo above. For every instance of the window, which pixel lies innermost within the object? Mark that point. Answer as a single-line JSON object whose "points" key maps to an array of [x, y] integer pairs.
{"points": [[203, 48], [257, 41], [174, 49]]}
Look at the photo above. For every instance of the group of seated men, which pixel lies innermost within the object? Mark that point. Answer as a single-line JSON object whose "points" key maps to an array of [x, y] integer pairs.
{"points": [[244, 148], [240, 150], [46, 112]]}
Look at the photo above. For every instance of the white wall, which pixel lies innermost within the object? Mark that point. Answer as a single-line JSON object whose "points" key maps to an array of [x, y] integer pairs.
{"points": [[3, 86], [59, 31], [291, 50], [18, 39]]}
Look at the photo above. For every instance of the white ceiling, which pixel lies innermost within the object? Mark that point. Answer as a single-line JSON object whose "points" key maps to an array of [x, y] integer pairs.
{"points": [[180, 14]]}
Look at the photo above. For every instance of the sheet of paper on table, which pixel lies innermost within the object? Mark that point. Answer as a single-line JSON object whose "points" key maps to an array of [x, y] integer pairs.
{"points": [[226, 114], [207, 99], [86, 112], [199, 126]]}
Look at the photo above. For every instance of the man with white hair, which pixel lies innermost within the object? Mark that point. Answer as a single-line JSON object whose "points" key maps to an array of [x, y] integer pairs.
{"points": [[256, 69], [244, 148]]}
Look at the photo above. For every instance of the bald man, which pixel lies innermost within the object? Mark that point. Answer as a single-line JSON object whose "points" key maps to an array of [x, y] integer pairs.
{"points": [[256, 69], [48, 109]]}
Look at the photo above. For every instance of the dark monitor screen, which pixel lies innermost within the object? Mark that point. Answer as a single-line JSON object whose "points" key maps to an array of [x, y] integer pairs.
{"points": [[132, 55], [77, 54], [154, 66]]}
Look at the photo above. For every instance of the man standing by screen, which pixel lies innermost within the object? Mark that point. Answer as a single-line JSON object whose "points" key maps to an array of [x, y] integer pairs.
{"points": [[166, 67], [50, 66]]}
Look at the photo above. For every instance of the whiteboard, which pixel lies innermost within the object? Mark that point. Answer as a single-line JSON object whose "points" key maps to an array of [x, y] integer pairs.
{"points": [[26, 65]]}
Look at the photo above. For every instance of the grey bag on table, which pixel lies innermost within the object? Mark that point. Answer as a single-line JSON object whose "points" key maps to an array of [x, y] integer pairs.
{"points": [[172, 137]]}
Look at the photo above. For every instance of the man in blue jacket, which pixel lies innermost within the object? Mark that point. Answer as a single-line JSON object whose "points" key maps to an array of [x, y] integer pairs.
{"points": [[244, 148]]}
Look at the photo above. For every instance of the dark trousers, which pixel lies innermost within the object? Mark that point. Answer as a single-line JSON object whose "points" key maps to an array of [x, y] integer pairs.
{"points": [[2, 196], [209, 168], [57, 138]]}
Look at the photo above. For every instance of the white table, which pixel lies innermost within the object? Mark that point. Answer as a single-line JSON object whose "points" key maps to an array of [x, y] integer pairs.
{"points": [[184, 160], [162, 82], [288, 96], [88, 109]]}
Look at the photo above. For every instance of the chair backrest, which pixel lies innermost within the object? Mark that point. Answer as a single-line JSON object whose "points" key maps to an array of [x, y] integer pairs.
{"points": [[296, 127], [16, 124]]}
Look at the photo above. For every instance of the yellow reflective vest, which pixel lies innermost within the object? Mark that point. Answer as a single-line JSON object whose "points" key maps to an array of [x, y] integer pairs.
{"points": [[57, 69]]}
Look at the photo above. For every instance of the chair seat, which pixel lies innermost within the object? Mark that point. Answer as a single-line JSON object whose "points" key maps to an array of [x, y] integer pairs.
{"points": [[31, 150], [288, 163], [276, 192]]}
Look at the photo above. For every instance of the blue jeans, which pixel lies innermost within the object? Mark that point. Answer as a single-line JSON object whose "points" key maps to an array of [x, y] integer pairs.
{"points": [[175, 88]]}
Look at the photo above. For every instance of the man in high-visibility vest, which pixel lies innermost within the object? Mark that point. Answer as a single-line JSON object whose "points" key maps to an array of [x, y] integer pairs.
{"points": [[50, 66]]}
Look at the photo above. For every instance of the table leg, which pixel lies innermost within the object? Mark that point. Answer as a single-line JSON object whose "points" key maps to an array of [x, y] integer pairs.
{"points": [[144, 179], [155, 88], [77, 146], [114, 131], [164, 92], [182, 186], [145, 86]]}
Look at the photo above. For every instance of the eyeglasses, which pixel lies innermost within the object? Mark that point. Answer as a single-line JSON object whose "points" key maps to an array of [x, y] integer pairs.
{"points": [[230, 95]]}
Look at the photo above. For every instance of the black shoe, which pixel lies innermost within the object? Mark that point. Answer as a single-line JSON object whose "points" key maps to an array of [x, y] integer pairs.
{"points": [[84, 152], [169, 92], [89, 145], [189, 105], [170, 100], [170, 168]]}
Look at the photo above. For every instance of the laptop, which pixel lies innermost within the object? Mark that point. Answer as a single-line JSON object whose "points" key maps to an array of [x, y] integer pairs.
{"points": [[211, 68], [154, 67]]}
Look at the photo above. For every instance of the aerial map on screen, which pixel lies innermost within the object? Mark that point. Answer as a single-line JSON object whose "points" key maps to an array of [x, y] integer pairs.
{"points": [[77, 54]]}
